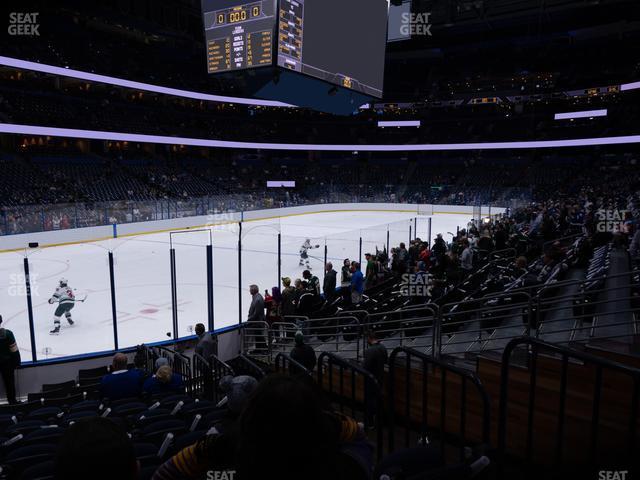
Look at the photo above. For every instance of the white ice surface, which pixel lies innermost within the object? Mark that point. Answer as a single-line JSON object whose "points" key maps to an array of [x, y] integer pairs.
{"points": [[142, 275]]}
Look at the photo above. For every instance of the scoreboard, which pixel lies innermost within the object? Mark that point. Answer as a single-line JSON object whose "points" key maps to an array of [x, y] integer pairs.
{"points": [[312, 45], [238, 35]]}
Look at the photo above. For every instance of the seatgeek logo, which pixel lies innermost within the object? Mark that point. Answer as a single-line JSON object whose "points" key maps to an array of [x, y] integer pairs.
{"points": [[22, 24], [416, 24]]}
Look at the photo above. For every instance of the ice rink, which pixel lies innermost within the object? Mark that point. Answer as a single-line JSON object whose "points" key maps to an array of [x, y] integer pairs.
{"points": [[142, 275]]}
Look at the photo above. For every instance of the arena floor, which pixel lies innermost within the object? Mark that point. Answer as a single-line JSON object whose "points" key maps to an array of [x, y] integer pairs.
{"points": [[142, 271]]}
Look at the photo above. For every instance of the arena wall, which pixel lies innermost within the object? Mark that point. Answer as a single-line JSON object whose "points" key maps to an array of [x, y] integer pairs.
{"points": [[92, 234]]}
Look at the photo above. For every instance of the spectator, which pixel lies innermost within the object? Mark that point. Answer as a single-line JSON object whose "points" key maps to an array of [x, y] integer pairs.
{"points": [[96, 448], [329, 283], [371, 271], [288, 305], [121, 383], [357, 283], [256, 316], [345, 281], [466, 257], [164, 381], [9, 362], [313, 284], [237, 391], [302, 353], [403, 258], [439, 248], [272, 303], [206, 345], [375, 358], [284, 414]]}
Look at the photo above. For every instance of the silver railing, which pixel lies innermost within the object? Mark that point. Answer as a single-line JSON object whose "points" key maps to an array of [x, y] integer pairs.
{"points": [[562, 312]]}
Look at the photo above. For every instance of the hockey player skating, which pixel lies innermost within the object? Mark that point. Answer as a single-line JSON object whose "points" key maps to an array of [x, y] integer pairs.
{"points": [[66, 300], [304, 255]]}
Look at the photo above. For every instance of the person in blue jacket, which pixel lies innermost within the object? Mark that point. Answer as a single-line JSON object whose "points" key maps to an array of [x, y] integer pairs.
{"points": [[357, 283]]}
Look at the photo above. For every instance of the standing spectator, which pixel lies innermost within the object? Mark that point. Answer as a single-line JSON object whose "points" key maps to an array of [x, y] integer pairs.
{"points": [[345, 281], [313, 283], [96, 448], [375, 358], [329, 283], [403, 258], [272, 304], [357, 283], [206, 345], [288, 304], [466, 257], [256, 316], [302, 353], [439, 249], [121, 383], [9, 362], [371, 271]]}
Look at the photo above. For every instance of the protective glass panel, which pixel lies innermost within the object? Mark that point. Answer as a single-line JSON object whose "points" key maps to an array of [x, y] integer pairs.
{"points": [[259, 260], [399, 232], [13, 298], [72, 291], [190, 248], [143, 289], [225, 270]]}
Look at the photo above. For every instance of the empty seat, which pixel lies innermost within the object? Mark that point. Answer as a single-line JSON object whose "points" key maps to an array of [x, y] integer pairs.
{"points": [[45, 414], [40, 471], [23, 457], [62, 387], [128, 409], [47, 435], [156, 432], [23, 427]]}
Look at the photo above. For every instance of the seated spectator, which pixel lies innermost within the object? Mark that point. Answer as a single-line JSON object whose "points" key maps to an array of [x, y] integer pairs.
{"points": [[237, 391], [302, 353], [164, 381], [96, 448], [121, 383]]}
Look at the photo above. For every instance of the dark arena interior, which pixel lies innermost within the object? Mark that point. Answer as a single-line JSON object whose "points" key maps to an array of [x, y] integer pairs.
{"points": [[320, 239]]}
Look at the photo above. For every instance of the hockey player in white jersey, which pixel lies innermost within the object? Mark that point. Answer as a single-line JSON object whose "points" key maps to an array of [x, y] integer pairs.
{"points": [[304, 255], [66, 300]]}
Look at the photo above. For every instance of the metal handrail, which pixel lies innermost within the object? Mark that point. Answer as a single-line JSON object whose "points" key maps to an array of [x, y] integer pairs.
{"points": [[427, 361], [534, 346], [371, 388], [257, 369]]}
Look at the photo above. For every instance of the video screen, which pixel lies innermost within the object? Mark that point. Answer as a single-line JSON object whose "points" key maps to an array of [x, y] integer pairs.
{"points": [[341, 42]]}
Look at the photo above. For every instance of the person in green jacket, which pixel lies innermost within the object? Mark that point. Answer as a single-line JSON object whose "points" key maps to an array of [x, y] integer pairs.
{"points": [[9, 362]]}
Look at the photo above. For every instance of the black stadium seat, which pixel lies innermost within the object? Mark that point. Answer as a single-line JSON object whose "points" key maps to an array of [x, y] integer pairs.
{"points": [[40, 471], [62, 387], [156, 432], [21, 458]]}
